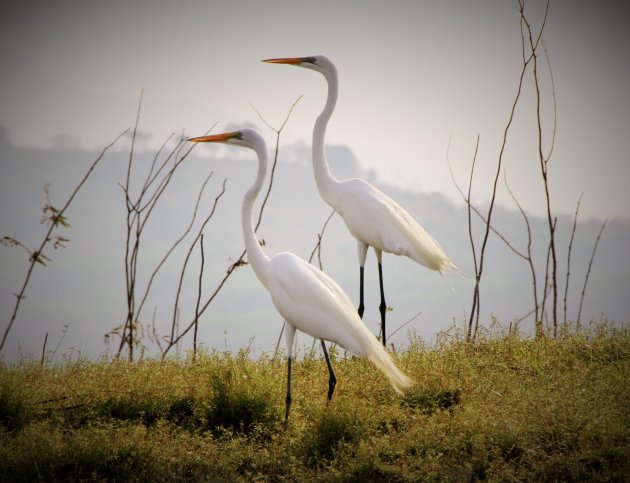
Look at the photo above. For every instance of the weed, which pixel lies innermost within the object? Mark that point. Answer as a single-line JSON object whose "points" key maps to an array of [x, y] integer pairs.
{"points": [[132, 407], [335, 426], [430, 400], [14, 413], [504, 408], [183, 412], [236, 406]]}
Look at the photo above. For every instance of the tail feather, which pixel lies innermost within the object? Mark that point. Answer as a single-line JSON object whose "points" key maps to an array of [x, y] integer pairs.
{"points": [[375, 352], [383, 361]]}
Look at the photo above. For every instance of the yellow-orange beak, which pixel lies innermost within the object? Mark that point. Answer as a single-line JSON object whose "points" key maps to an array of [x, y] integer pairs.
{"points": [[215, 138], [286, 60]]}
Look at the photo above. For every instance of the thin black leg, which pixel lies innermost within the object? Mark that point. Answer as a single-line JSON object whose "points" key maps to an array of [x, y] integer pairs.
{"points": [[288, 406], [332, 380], [361, 306], [383, 307]]}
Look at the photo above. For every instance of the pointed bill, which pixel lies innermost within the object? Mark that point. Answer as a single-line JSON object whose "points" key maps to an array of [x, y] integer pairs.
{"points": [[284, 60], [287, 60], [215, 138]]}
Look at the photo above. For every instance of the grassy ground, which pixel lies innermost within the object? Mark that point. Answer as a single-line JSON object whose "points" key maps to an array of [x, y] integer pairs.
{"points": [[504, 408]]}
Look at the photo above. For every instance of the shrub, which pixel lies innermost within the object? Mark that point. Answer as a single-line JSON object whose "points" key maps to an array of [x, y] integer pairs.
{"points": [[335, 426], [236, 406], [14, 412], [430, 400], [133, 407]]}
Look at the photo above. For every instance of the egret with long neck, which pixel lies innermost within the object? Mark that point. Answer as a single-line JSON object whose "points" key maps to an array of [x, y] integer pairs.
{"points": [[372, 217], [307, 298]]}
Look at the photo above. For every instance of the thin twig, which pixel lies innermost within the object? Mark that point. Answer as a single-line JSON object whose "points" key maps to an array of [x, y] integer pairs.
{"points": [[187, 258], [474, 315], [547, 283], [139, 212], [167, 179], [44, 350], [529, 257], [198, 298], [175, 244], [130, 253], [555, 103], [275, 158], [318, 245], [63, 336], [465, 198], [569, 250], [476, 296], [47, 237], [544, 160], [406, 323], [133, 140], [241, 259], [588, 272], [534, 310]]}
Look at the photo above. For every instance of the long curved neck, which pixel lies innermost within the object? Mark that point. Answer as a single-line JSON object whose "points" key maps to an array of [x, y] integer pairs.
{"points": [[257, 258], [326, 182]]}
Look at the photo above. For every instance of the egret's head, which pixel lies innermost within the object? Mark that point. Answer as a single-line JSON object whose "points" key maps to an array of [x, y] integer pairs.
{"points": [[245, 137], [319, 63]]}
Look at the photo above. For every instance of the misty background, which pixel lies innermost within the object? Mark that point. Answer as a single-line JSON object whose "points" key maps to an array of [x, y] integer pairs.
{"points": [[417, 81], [83, 286]]}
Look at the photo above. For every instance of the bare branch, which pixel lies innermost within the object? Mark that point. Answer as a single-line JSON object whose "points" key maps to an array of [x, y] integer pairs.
{"points": [[35, 258], [241, 258], [570, 249], [139, 212], [529, 258], [534, 310], [318, 245], [199, 285], [544, 161], [406, 323], [177, 242], [286, 119], [475, 311], [133, 142], [555, 104], [275, 158], [483, 218], [588, 272], [185, 264]]}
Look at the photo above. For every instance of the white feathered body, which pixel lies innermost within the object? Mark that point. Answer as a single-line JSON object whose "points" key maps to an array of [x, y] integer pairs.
{"points": [[313, 303], [380, 222]]}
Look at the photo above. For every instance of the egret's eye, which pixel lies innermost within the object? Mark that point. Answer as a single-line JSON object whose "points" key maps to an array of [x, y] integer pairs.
{"points": [[238, 135]]}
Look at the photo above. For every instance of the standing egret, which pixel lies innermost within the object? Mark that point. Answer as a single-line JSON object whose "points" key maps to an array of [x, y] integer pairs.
{"points": [[307, 298], [372, 217]]}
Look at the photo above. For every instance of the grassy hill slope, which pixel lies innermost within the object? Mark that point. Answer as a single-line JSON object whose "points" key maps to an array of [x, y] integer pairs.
{"points": [[502, 408]]}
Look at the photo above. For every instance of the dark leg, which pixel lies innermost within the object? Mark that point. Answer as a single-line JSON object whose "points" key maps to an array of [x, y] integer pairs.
{"points": [[383, 307], [332, 380], [286, 414], [361, 306]]}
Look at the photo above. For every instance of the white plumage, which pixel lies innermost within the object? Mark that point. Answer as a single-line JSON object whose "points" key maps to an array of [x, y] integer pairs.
{"points": [[307, 298], [372, 217]]}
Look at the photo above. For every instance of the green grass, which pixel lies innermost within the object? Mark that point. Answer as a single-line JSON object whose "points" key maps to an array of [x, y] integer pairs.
{"points": [[501, 409]]}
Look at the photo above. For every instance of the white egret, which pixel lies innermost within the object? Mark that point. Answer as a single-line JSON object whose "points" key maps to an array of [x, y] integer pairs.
{"points": [[372, 217], [307, 298]]}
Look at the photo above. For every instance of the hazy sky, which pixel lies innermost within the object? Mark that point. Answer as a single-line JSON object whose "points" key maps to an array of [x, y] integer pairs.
{"points": [[413, 75]]}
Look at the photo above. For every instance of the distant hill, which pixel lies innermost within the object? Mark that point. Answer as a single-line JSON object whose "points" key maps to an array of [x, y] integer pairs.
{"points": [[84, 285]]}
